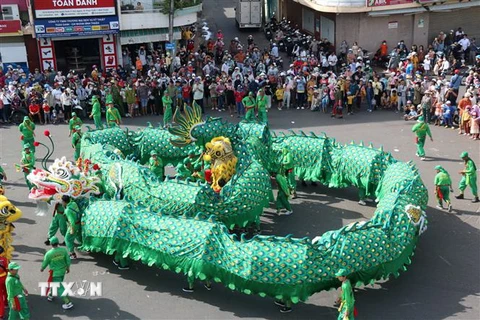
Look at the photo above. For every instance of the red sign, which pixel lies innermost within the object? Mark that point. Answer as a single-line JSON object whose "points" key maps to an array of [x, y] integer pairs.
{"points": [[381, 3], [46, 9], [10, 27]]}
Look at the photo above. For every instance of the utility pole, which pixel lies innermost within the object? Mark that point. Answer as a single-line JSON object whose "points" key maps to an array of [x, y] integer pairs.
{"points": [[170, 31]]}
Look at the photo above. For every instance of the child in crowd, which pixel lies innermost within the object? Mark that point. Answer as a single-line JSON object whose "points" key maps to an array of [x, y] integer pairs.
{"points": [[394, 100], [350, 98], [279, 96], [448, 112], [438, 114], [384, 100], [46, 112], [465, 123], [412, 115]]}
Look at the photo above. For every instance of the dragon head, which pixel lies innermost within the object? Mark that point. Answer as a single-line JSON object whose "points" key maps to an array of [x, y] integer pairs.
{"points": [[62, 178], [8, 212]]}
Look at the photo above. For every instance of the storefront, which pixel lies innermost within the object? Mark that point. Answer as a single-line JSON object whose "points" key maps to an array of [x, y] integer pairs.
{"points": [[75, 35], [12, 45]]}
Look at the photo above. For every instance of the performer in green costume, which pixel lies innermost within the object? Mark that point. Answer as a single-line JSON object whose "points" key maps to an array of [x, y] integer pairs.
{"points": [[347, 300], [58, 261], [167, 109], [469, 177], [74, 121], [156, 165], [59, 221], [27, 163], [288, 171], [443, 187], [262, 102], [249, 103], [73, 221], [117, 98], [282, 196], [76, 141], [96, 113], [421, 129], [112, 115], [183, 169], [27, 128], [16, 294]]}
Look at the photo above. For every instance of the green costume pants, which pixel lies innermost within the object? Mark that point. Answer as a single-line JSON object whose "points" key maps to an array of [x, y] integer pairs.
{"points": [[122, 262], [341, 315], [76, 153], [24, 313], [282, 201], [70, 239], [59, 221], [262, 116], [420, 145], [29, 141], [292, 183], [167, 117], [250, 115], [61, 289], [29, 185], [98, 122], [470, 182], [445, 190]]}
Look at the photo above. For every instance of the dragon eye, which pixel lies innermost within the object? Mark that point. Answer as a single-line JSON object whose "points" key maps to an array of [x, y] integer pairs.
{"points": [[218, 153], [12, 211], [62, 173], [4, 211]]}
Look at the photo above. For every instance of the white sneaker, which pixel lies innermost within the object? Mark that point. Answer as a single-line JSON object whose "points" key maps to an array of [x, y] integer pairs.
{"points": [[303, 108], [449, 207], [287, 213], [67, 306], [362, 203], [439, 207], [298, 108], [49, 298], [423, 158]]}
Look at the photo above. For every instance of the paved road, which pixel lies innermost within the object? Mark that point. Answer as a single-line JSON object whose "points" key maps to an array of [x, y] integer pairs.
{"points": [[442, 283]]}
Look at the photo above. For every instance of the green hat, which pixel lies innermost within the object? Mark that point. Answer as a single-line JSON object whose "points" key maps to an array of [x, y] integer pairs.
{"points": [[109, 101], [153, 153], [26, 118], [341, 273], [27, 146], [438, 168], [420, 119], [54, 240], [13, 266], [250, 93], [464, 154], [74, 114]]}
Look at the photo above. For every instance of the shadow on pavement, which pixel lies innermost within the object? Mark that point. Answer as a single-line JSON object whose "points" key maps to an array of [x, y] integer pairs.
{"points": [[91, 308]]}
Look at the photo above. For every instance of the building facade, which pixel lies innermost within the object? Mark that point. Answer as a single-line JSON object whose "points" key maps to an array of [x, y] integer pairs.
{"points": [[369, 22]]}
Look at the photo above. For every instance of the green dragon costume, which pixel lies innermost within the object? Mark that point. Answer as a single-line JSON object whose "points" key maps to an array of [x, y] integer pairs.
{"points": [[183, 226]]}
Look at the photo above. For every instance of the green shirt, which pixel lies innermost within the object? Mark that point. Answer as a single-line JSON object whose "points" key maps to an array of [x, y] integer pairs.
{"points": [[248, 102], [470, 168], [442, 179], [14, 287], [74, 122], [59, 209], [58, 260], [421, 129], [113, 115], [96, 108], [287, 161], [28, 159], [167, 101], [72, 211], [76, 140], [262, 102], [27, 128], [156, 165]]}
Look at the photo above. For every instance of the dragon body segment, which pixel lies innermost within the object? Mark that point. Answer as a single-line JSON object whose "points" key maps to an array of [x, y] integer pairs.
{"points": [[184, 226]]}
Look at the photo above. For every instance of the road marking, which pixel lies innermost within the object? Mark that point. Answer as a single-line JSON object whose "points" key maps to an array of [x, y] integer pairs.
{"points": [[445, 260]]}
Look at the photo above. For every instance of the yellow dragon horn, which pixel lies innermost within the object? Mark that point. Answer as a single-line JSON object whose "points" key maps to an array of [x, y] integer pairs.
{"points": [[184, 123]]}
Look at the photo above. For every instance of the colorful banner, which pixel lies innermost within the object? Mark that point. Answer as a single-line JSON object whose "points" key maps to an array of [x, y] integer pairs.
{"points": [[381, 3], [10, 28], [45, 9], [51, 28]]}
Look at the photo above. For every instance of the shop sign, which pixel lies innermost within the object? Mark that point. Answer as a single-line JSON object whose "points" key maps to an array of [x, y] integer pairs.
{"points": [[51, 28], [45, 9], [393, 25], [381, 3], [10, 28]]}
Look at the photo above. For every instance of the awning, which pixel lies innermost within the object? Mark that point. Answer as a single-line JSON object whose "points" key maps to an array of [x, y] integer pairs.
{"points": [[148, 35], [398, 11], [452, 6]]}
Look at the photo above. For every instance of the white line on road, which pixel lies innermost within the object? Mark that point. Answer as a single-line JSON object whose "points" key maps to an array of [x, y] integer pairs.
{"points": [[445, 260]]}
